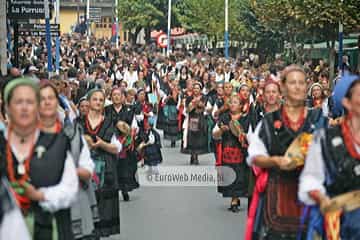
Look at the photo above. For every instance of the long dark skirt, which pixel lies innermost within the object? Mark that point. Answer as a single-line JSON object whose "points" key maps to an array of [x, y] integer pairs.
{"points": [[161, 121], [107, 195], [127, 168], [171, 128], [43, 227], [197, 134], [239, 187], [109, 212]]}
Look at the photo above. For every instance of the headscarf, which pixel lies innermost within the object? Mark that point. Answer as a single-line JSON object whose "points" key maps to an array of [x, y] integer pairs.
{"points": [[22, 81], [314, 85], [340, 91]]}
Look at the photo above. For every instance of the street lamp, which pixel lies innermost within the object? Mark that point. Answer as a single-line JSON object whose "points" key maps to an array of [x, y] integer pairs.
{"points": [[169, 29], [341, 36], [226, 35]]}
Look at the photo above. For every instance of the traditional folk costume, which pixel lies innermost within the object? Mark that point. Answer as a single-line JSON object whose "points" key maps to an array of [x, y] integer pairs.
{"points": [[51, 152], [275, 211], [231, 151], [195, 128], [127, 162], [182, 124], [150, 146], [333, 169], [84, 211], [106, 176], [162, 90], [324, 103], [171, 130]]}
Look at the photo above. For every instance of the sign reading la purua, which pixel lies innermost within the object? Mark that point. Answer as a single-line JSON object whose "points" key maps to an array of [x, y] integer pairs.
{"points": [[27, 9]]}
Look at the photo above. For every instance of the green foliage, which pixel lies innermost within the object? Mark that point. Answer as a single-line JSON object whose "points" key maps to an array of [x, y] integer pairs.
{"points": [[136, 14]]}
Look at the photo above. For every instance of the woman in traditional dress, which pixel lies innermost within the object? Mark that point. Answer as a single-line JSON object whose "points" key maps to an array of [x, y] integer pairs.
{"points": [[83, 107], [316, 96], [183, 77], [171, 130], [332, 169], [127, 162], [277, 210], [196, 131], [82, 210], [143, 111], [222, 103], [161, 89], [318, 99], [182, 112], [39, 165], [104, 147], [271, 102], [231, 151]]}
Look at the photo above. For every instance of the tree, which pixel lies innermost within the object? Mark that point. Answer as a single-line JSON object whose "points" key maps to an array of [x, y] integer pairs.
{"points": [[208, 17], [138, 14], [303, 21]]}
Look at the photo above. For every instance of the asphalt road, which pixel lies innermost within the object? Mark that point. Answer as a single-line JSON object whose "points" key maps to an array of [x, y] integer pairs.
{"points": [[179, 212]]}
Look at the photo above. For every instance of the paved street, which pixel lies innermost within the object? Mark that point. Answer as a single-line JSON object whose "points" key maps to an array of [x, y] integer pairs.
{"points": [[178, 213]]}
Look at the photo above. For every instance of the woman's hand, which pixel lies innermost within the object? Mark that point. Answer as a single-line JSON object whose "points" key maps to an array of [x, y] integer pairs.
{"points": [[224, 128], [284, 163], [32, 193], [99, 143], [89, 141], [324, 203]]}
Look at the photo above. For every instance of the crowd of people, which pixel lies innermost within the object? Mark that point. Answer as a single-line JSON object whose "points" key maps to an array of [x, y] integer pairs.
{"points": [[71, 141]]}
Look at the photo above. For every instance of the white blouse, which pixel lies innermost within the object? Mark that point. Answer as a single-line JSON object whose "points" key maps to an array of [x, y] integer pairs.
{"points": [[313, 175], [256, 145], [63, 194]]}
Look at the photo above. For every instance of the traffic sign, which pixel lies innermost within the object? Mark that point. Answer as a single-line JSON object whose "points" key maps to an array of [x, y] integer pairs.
{"points": [[38, 30], [30, 9], [162, 40], [37, 34], [95, 15]]}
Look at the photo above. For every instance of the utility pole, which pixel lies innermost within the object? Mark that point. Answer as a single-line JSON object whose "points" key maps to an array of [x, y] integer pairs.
{"points": [[48, 35], [341, 36], [169, 29], [226, 34], [117, 23], [3, 37], [88, 19], [57, 51]]}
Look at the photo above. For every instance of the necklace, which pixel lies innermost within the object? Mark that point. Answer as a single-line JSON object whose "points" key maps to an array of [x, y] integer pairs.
{"points": [[294, 125], [349, 140], [91, 130], [23, 169], [23, 138]]}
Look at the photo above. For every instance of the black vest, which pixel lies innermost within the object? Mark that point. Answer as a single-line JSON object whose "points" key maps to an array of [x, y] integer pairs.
{"points": [[47, 168], [278, 140], [228, 139], [126, 114], [343, 171]]}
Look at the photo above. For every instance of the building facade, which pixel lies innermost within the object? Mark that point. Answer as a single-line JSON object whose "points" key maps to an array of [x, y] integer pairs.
{"points": [[72, 12]]}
